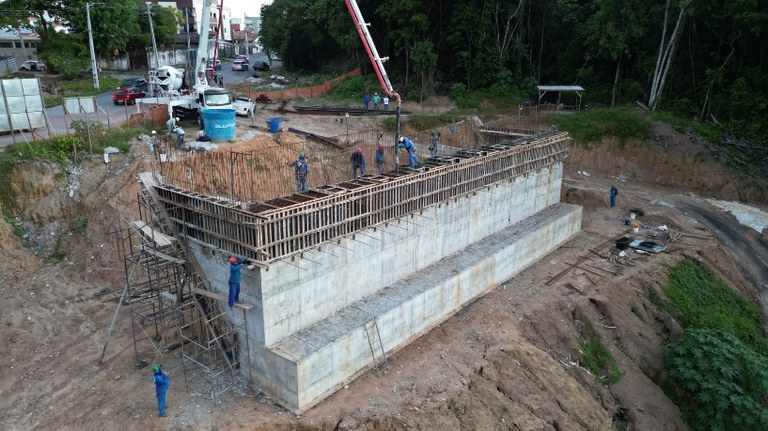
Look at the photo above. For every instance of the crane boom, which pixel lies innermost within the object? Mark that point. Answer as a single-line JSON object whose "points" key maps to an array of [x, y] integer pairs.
{"points": [[202, 45], [370, 48]]}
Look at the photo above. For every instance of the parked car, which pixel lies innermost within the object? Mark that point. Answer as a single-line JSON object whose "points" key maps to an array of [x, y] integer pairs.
{"points": [[239, 64], [128, 96], [216, 66], [243, 106], [133, 82], [261, 65], [33, 65]]}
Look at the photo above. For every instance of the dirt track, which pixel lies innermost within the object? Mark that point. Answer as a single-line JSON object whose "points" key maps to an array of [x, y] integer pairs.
{"points": [[507, 361]]}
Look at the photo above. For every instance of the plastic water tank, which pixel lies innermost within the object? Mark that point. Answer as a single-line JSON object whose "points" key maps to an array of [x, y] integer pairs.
{"points": [[219, 124], [274, 124]]}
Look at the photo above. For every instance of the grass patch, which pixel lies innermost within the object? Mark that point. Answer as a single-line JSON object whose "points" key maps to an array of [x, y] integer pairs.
{"points": [[589, 127], [81, 87], [709, 132], [596, 357], [699, 299]]}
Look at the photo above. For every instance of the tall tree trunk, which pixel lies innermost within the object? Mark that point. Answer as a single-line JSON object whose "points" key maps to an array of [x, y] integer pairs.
{"points": [[667, 50], [707, 98], [616, 82]]}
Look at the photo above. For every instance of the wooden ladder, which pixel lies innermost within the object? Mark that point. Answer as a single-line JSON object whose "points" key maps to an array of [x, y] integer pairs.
{"points": [[376, 346]]}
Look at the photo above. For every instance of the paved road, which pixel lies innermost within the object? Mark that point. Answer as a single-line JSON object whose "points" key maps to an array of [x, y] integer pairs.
{"points": [[110, 114]]}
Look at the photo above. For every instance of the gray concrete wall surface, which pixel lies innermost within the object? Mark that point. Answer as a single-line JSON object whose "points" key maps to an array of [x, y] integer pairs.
{"points": [[304, 289], [333, 351]]}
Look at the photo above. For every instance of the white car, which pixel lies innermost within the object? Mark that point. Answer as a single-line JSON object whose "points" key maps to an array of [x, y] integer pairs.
{"points": [[243, 106], [33, 65]]}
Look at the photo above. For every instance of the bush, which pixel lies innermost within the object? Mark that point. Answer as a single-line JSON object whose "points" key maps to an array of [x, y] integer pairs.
{"points": [[354, 88], [460, 95], [727, 381]]}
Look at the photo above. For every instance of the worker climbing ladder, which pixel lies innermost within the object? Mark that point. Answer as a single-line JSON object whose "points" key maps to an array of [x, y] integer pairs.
{"points": [[377, 347]]}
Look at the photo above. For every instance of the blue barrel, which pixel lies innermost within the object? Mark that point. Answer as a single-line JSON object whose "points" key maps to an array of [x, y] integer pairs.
{"points": [[274, 124], [219, 124]]}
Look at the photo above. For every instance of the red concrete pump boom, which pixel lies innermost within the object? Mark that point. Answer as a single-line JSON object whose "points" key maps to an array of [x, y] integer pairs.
{"points": [[370, 48]]}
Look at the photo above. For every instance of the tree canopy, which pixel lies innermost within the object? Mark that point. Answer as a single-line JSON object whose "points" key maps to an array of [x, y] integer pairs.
{"points": [[699, 58]]}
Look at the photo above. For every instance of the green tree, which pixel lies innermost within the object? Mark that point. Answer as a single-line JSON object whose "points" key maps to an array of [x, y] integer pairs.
{"points": [[424, 60], [114, 23], [165, 20], [726, 382], [612, 32]]}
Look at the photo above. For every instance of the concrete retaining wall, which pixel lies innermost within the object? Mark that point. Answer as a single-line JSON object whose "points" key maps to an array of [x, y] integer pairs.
{"points": [[307, 325], [302, 290]]}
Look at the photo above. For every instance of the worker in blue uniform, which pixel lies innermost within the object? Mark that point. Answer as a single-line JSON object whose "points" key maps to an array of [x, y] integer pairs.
{"points": [[235, 264], [161, 387], [408, 146]]}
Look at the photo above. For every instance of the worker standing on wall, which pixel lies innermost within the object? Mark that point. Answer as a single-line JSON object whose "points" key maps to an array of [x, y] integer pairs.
{"points": [[358, 162], [614, 193], [301, 169], [380, 160], [407, 145], [235, 264], [161, 387], [433, 143]]}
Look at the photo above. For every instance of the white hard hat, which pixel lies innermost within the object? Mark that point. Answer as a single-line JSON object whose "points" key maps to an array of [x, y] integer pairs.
{"points": [[153, 132], [402, 138], [177, 118]]}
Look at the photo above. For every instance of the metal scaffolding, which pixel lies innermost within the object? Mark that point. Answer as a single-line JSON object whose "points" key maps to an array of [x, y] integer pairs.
{"points": [[171, 303]]}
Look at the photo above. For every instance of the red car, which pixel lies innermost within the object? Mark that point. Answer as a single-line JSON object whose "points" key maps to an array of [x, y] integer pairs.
{"points": [[128, 96]]}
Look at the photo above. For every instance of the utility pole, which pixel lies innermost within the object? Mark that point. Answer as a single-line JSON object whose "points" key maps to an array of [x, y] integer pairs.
{"points": [[23, 48], [152, 33], [189, 46], [94, 67]]}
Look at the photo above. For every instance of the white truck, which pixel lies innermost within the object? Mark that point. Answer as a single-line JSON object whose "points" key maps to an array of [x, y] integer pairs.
{"points": [[191, 103], [243, 106]]}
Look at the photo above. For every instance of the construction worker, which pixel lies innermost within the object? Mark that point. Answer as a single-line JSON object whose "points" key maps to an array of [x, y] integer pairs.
{"points": [[171, 124], [234, 280], [385, 100], [301, 169], [180, 134], [433, 143], [358, 162], [376, 100], [366, 101], [614, 193], [161, 387], [407, 145], [380, 161]]}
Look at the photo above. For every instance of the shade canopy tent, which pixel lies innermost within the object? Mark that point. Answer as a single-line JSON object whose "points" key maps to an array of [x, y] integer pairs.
{"points": [[544, 90]]}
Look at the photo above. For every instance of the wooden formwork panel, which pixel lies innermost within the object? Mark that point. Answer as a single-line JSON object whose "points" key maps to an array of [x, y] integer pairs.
{"points": [[274, 229]]}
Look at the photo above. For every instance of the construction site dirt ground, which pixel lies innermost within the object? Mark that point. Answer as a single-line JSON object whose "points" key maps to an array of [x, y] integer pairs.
{"points": [[509, 360]]}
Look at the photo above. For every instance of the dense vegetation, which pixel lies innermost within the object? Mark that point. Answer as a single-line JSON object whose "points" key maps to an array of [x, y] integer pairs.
{"points": [[719, 364], [118, 26], [701, 59]]}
